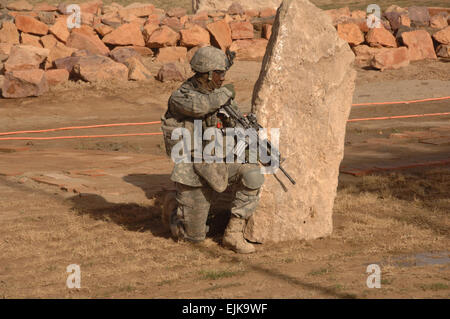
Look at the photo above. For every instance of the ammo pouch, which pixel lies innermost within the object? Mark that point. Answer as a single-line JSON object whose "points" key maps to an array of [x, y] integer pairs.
{"points": [[167, 127]]}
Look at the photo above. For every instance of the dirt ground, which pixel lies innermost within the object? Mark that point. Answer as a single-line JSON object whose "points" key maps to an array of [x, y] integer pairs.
{"points": [[96, 202]]}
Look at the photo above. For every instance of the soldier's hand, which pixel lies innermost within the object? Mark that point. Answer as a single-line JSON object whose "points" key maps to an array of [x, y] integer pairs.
{"points": [[230, 87]]}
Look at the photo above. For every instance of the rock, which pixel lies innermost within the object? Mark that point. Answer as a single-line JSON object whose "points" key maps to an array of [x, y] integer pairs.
{"points": [[122, 54], [59, 51], [396, 20], [56, 76], [307, 77], [224, 5], [420, 45], [241, 30], [364, 54], [173, 23], [20, 5], [25, 57], [194, 36], [103, 29], [59, 30], [92, 7], [176, 12], [126, 34], [391, 59], [438, 10], [9, 33], [358, 14], [443, 51], [98, 68], [163, 37], [43, 6], [2, 80], [267, 31], [339, 15], [31, 25], [112, 20], [172, 54], [29, 39], [48, 18], [67, 63], [49, 41], [443, 36], [143, 51], [235, 8], [80, 53], [148, 30], [351, 33], [137, 70], [380, 37], [439, 21], [23, 83], [137, 9], [419, 16], [267, 12], [91, 43], [170, 72], [5, 48], [220, 34], [249, 50]]}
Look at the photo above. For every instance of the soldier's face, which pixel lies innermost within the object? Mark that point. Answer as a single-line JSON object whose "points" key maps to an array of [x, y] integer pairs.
{"points": [[218, 77]]}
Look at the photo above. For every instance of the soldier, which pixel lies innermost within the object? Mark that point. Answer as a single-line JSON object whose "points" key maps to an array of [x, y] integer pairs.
{"points": [[198, 184]]}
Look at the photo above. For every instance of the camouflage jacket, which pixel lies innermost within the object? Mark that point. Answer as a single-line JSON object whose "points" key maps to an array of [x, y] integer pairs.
{"points": [[190, 102]]}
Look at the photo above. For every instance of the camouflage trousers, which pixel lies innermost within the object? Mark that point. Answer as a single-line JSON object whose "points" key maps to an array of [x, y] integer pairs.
{"points": [[194, 203]]}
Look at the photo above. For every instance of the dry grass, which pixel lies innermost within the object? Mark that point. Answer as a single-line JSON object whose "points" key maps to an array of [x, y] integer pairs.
{"points": [[119, 257]]}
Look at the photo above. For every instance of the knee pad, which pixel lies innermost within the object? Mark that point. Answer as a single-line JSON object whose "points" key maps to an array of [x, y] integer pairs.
{"points": [[252, 177]]}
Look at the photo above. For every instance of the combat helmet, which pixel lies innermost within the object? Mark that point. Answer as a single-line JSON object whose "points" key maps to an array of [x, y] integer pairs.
{"points": [[208, 59]]}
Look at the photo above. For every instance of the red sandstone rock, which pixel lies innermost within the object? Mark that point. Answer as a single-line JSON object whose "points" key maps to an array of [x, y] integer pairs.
{"points": [[29, 39], [25, 57], [56, 76], [220, 34], [30, 25], [351, 33], [9, 33], [170, 72], [24, 83], [194, 36], [126, 34], [391, 59], [163, 37], [267, 31], [59, 30], [443, 36], [171, 54], [420, 45], [241, 30], [380, 37], [98, 68], [91, 43], [249, 49]]}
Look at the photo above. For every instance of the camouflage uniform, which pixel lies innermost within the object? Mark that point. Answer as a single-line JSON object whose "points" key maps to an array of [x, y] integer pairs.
{"points": [[197, 184]]}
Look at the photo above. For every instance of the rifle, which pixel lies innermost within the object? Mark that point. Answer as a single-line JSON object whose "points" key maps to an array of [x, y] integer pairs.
{"points": [[251, 125]]}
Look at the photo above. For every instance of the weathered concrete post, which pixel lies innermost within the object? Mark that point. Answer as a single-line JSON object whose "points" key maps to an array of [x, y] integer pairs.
{"points": [[305, 88]]}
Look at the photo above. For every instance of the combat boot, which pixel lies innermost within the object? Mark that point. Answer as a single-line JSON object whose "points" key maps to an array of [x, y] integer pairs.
{"points": [[234, 237]]}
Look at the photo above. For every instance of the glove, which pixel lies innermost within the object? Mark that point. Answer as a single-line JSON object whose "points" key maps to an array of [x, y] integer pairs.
{"points": [[230, 87]]}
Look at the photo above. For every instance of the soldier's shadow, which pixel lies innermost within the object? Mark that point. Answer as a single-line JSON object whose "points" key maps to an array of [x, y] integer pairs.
{"points": [[131, 216]]}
